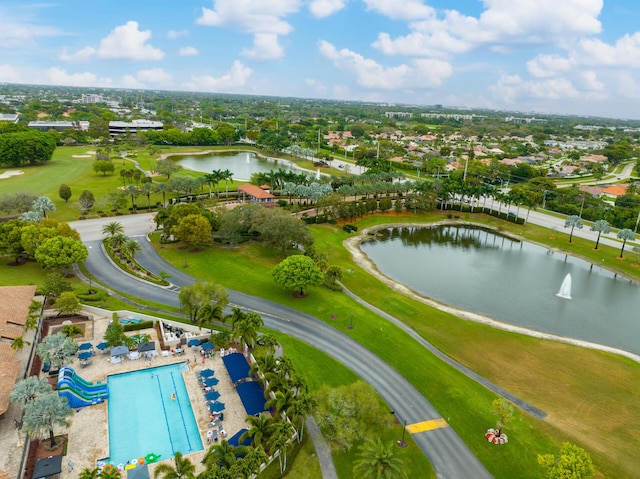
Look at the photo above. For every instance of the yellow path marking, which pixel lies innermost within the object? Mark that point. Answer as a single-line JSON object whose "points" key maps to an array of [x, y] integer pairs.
{"points": [[426, 425]]}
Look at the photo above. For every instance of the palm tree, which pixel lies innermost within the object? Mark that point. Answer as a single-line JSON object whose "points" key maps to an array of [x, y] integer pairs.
{"points": [[118, 240], [601, 226], [113, 228], [260, 428], [573, 221], [210, 313], [132, 247], [227, 176], [162, 188], [282, 433], [282, 401], [264, 364], [87, 473], [71, 330], [134, 192], [28, 389], [269, 342], [303, 405], [379, 461], [183, 468], [55, 348], [625, 234], [146, 189], [19, 343], [223, 454], [210, 179], [217, 178], [45, 412]]}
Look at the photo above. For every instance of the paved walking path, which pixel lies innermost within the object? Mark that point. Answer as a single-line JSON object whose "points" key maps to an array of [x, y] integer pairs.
{"points": [[322, 450]]}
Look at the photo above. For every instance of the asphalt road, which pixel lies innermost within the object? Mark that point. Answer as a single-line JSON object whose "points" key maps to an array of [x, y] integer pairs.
{"points": [[449, 455]]}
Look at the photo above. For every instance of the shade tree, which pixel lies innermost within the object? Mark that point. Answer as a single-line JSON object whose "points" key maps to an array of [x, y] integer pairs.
{"points": [[61, 252], [297, 273]]}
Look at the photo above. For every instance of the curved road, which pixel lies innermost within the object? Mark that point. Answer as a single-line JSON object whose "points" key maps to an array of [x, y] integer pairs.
{"points": [[449, 455]]}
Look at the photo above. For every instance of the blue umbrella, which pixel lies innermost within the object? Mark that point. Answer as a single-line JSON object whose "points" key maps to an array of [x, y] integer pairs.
{"points": [[207, 373], [207, 346], [212, 395], [194, 342], [85, 355], [216, 407], [210, 382], [85, 347], [102, 346]]}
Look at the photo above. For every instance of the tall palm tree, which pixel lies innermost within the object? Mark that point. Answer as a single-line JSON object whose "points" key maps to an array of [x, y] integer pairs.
{"points": [[572, 222], [625, 235], [269, 342], [113, 228], [146, 189], [303, 405], [118, 241], [280, 438], [218, 177], [183, 468], [210, 179], [264, 364], [134, 192], [162, 188], [601, 226], [227, 176], [379, 461], [260, 429]]}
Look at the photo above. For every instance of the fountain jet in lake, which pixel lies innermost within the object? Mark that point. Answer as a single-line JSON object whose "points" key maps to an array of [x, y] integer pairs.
{"points": [[565, 288]]}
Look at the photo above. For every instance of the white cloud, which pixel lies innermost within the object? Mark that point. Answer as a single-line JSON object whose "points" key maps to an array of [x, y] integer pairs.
{"points": [[188, 52], [130, 81], [401, 9], [175, 34], [549, 65], [263, 18], [420, 74], [155, 76], [236, 77], [58, 76], [325, 8], [316, 86], [502, 26], [20, 30], [123, 42], [512, 88], [590, 82], [265, 47], [128, 42], [9, 74]]}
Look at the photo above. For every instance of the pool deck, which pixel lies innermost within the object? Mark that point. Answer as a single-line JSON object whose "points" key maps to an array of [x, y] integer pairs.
{"points": [[89, 431]]}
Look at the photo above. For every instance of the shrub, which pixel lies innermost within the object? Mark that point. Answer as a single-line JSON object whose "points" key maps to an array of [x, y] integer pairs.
{"points": [[349, 228], [138, 326]]}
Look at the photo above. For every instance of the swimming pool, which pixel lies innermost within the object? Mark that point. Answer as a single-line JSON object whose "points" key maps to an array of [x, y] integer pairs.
{"points": [[150, 412]]}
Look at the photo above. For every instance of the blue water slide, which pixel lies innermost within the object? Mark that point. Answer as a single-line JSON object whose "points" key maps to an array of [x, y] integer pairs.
{"points": [[68, 376], [77, 398]]}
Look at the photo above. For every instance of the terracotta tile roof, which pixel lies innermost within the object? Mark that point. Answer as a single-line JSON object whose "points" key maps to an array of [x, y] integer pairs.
{"points": [[14, 308], [615, 190], [255, 191]]}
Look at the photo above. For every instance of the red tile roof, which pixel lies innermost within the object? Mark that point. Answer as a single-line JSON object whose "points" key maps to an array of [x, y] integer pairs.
{"points": [[255, 191]]}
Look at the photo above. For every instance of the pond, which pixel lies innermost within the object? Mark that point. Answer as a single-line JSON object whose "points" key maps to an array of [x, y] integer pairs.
{"points": [[511, 281], [242, 164]]}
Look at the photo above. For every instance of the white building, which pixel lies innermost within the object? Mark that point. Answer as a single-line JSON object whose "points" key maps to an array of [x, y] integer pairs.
{"points": [[92, 98], [12, 117], [133, 127]]}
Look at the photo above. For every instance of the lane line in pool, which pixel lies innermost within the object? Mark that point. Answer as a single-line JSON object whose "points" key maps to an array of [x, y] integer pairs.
{"points": [[184, 425], [166, 417]]}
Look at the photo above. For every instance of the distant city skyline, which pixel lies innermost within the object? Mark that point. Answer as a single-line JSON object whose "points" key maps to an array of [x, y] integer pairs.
{"points": [[578, 57]]}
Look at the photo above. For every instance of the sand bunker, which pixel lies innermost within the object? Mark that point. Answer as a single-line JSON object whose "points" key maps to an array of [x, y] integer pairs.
{"points": [[10, 173], [80, 156]]}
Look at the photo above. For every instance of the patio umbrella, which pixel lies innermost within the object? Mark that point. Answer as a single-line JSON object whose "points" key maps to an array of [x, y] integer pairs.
{"points": [[216, 406], [210, 382], [207, 373], [85, 346], [194, 342], [85, 355], [206, 346], [212, 395], [102, 346]]}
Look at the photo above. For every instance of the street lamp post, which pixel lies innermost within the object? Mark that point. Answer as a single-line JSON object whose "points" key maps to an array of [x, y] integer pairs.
{"points": [[350, 321], [582, 206], [401, 442]]}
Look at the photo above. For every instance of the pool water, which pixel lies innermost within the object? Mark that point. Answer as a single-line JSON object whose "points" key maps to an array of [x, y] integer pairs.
{"points": [[150, 412]]}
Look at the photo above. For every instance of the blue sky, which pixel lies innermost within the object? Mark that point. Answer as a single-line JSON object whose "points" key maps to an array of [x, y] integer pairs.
{"points": [[552, 56]]}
